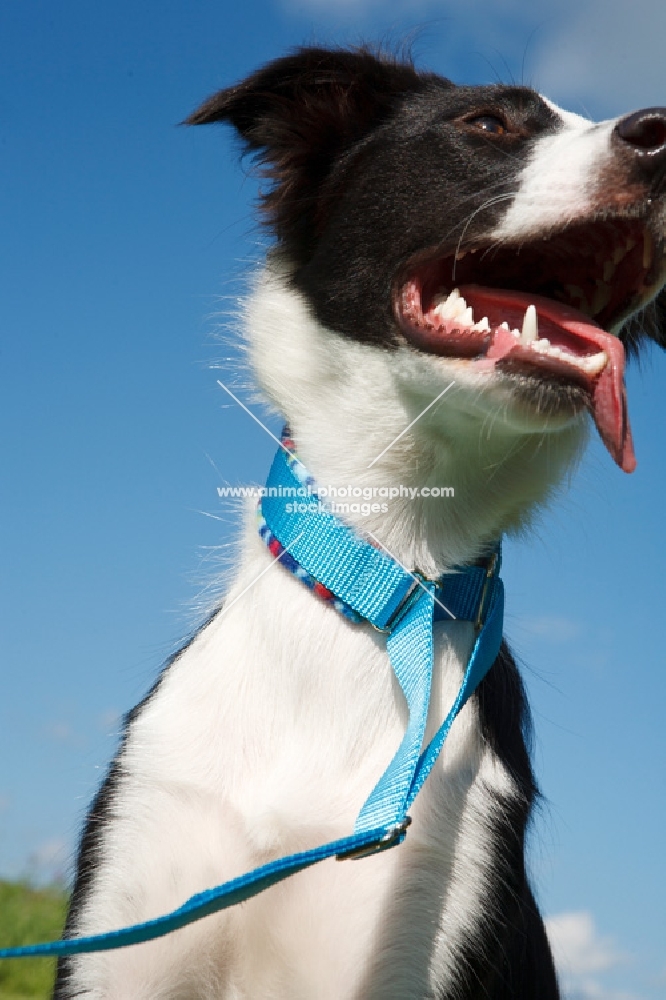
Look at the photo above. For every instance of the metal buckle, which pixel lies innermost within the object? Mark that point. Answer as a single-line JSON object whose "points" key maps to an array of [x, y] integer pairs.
{"points": [[405, 604], [490, 572], [394, 836]]}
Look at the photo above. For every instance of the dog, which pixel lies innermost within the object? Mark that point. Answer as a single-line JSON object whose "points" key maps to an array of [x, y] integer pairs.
{"points": [[473, 245]]}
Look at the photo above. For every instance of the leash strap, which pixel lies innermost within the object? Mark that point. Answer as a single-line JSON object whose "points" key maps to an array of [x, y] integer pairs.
{"points": [[393, 600], [230, 893]]}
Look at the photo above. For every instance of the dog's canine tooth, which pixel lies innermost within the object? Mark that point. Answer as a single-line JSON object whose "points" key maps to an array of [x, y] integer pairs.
{"points": [[530, 331]]}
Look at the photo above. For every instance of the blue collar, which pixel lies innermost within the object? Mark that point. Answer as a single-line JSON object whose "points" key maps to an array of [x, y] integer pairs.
{"points": [[462, 594], [374, 588]]}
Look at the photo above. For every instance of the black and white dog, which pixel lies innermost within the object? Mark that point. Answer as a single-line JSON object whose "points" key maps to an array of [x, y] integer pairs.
{"points": [[424, 234]]}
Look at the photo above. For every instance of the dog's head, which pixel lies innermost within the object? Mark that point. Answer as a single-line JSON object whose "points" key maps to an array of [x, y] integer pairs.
{"points": [[423, 217]]}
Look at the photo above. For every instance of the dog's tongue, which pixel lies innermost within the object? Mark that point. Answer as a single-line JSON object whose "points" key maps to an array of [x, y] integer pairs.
{"points": [[609, 409], [564, 327]]}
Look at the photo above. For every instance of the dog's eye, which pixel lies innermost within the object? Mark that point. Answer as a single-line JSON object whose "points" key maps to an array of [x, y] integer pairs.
{"points": [[489, 123]]}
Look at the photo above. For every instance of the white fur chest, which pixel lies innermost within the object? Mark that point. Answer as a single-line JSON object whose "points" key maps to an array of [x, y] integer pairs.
{"points": [[274, 726]]}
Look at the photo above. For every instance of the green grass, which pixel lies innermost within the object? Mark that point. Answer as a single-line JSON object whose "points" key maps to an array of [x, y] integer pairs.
{"points": [[29, 915]]}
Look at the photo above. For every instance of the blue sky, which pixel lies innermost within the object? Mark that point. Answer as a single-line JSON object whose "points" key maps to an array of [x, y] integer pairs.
{"points": [[126, 239]]}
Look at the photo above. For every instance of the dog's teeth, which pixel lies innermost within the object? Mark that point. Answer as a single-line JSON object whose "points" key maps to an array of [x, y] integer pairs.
{"points": [[593, 364], [451, 307], [516, 334], [530, 331], [459, 307], [442, 298], [483, 325], [467, 317]]}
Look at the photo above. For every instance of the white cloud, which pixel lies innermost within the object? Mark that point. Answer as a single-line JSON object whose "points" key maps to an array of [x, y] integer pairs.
{"points": [[419, 12], [577, 945], [660, 979], [109, 721], [61, 732], [49, 860], [604, 57], [343, 9], [582, 955], [608, 52], [554, 628]]}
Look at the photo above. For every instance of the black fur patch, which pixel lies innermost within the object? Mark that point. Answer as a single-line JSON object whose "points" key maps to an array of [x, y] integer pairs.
{"points": [[512, 959], [372, 163]]}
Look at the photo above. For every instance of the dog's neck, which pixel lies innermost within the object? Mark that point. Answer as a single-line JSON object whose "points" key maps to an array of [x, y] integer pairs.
{"points": [[348, 405]]}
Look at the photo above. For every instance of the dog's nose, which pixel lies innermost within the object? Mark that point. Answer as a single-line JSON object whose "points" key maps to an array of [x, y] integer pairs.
{"points": [[644, 134]]}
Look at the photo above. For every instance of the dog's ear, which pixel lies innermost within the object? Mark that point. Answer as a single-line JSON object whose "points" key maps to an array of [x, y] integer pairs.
{"points": [[300, 113]]}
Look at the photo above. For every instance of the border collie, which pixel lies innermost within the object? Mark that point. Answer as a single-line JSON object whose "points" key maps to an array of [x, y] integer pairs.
{"points": [[424, 234]]}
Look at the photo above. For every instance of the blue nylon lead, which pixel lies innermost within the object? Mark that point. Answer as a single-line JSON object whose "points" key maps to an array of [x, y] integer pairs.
{"points": [[210, 901], [399, 603]]}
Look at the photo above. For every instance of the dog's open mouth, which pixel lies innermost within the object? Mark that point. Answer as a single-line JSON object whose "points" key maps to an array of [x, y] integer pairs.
{"points": [[541, 310]]}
